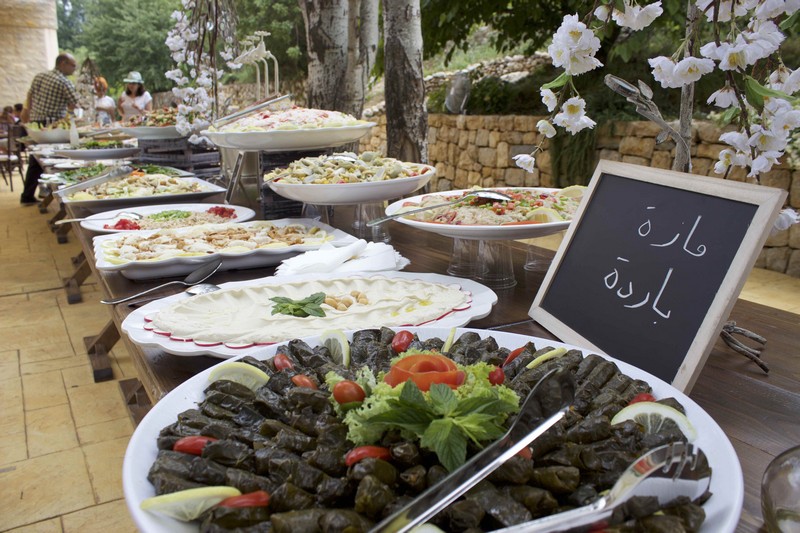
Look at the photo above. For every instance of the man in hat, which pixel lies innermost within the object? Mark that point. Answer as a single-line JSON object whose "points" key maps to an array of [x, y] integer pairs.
{"points": [[50, 96]]}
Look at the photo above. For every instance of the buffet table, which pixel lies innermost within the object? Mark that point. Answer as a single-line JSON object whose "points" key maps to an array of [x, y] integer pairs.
{"points": [[757, 411]]}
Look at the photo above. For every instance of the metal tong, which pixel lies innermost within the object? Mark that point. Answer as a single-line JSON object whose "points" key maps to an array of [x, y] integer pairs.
{"points": [[112, 174], [546, 404], [246, 111]]}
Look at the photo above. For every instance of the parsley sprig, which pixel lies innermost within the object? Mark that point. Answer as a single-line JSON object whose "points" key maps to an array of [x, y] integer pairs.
{"points": [[309, 306], [443, 422]]}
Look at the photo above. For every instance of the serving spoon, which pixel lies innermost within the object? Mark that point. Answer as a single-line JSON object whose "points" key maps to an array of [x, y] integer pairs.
{"points": [[194, 290], [197, 276], [130, 215], [482, 193]]}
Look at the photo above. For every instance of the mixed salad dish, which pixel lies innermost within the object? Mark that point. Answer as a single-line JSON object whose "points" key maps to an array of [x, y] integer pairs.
{"points": [[527, 206], [294, 118], [346, 167], [229, 238], [176, 218], [165, 116], [338, 436], [136, 184]]}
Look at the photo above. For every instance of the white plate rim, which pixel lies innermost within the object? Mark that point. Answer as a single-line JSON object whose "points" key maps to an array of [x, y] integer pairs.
{"points": [[210, 190], [722, 516], [340, 238], [297, 139], [91, 154], [483, 299], [351, 193], [480, 231], [152, 132], [243, 214]]}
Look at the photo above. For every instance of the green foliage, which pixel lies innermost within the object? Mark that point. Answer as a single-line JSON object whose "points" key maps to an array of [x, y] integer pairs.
{"points": [[287, 42], [71, 16], [436, 99], [573, 157], [125, 36]]}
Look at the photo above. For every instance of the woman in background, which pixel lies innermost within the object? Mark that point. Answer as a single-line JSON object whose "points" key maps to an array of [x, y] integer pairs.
{"points": [[104, 106], [135, 101]]}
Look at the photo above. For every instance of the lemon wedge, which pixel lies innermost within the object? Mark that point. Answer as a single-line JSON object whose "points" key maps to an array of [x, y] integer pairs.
{"points": [[242, 373], [543, 215], [336, 343], [653, 416], [552, 354], [573, 191], [188, 505]]}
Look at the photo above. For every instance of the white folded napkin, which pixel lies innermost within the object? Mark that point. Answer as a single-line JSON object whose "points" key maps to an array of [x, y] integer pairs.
{"points": [[360, 256]]}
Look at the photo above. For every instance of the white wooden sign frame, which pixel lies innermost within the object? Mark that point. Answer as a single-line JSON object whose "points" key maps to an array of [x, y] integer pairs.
{"points": [[768, 201]]}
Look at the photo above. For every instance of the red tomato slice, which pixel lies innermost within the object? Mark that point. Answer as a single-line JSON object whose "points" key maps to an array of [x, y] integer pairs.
{"points": [[642, 397], [425, 370], [259, 498], [193, 445], [513, 355], [362, 452], [304, 381]]}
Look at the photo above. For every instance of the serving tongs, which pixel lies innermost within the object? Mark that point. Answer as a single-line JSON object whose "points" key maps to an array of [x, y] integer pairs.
{"points": [[115, 173], [545, 405], [247, 110], [666, 473]]}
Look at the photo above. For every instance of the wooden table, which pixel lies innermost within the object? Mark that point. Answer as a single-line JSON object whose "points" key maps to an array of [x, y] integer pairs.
{"points": [[758, 412]]}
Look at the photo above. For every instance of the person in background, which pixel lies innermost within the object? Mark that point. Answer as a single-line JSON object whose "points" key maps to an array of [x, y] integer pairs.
{"points": [[135, 101], [50, 96], [18, 112], [6, 119], [104, 106]]}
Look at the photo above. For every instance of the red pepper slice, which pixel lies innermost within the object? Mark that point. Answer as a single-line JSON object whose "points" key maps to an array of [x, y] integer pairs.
{"points": [[193, 445], [362, 452], [259, 498]]}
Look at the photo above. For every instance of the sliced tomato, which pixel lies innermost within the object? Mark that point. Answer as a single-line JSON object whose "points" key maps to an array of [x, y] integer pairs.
{"points": [[526, 453], [193, 445], [425, 370], [362, 452], [348, 391], [302, 380], [642, 397], [401, 341], [259, 498], [497, 376], [282, 362], [513, 355]]}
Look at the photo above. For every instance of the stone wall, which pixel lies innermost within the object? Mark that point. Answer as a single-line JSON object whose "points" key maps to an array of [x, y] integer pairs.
{"points": [[470, 150], [29, 45]]}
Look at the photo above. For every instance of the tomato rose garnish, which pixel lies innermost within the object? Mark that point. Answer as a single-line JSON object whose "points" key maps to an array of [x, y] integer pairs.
{"points": [[425, 370]]}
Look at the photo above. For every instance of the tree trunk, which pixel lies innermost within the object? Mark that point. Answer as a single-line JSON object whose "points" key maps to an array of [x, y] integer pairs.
{"points": [[361, 51], [683, 158], [327, 24], [406, 115]]}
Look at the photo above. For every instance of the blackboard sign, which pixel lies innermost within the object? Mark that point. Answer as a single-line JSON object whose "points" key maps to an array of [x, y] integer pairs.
{"points": [[652, 265]]}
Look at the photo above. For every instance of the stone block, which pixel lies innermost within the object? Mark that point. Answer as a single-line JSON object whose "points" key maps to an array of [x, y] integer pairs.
{"points": [[793, 266], [503, 155], [490, 122], [777, 259], [482, 137], [444, 185], [488, 181], [532, 179], [525, 123], [778, 239], [708, 132], [515, 177], [634, 160], [494, 138], [610, 155], [461, 181], [473, 178], [463, 139], [487, 156], [794, 190], [516, 149], [472, 135], [432, 135], [505, 123], [711, 151], [434, 119], [464, 160], [543, 161], [620, 128], [607, 141], [661, 160], [511, 137], [474, 122], [637, 146], [737, 174], [487, 171], [454, 135], [794, 236], [546, 179], [702, 167], [644, 128], [461, 122], [530, 137], [780, 179]]}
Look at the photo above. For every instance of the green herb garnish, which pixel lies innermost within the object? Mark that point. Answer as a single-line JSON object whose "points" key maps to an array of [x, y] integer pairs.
{"points": [[309, 306], [443, 422], [170, 214]]}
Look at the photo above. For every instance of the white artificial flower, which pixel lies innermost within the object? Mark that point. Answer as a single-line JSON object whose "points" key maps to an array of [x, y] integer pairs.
{"points": [[763, 163], [792, 83], [776, 106], [572, 116], [546, 129], [549, 99], [784, 123], [602, 12], [724, 98], [525, 161], [663, 70], [769, 9], [778, 77], [766, 140], [741, 7], [636, 17], [690, 69], [737, 139], [574, 47], [732, 56], [728, 157]]}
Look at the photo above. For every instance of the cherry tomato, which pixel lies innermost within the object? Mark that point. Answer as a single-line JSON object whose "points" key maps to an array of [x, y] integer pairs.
{"points": [[513, 355], [425, 370], [348, 391], [282, 362], [220, 211], [401, 341], [304, 381], [124, 224], [526, 453], [497, 376], [259, 498], [193, 445], [642, 397], [362, 452]]}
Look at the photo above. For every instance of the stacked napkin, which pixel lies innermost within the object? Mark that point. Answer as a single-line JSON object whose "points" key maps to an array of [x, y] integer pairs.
{"points": [[360, 256]]}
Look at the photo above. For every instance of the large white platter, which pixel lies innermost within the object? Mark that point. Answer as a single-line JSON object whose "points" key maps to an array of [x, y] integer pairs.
{"points": [[478, 231], [181, 266], [281, 140], [92, 154], [47, 136], [98, 220], [111, 203], [152, 132], [350, 193], [722, 509], [483, 299]]}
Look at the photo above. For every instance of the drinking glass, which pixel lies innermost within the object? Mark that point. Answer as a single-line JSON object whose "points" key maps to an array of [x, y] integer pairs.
{"points": [[780, 493]]}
